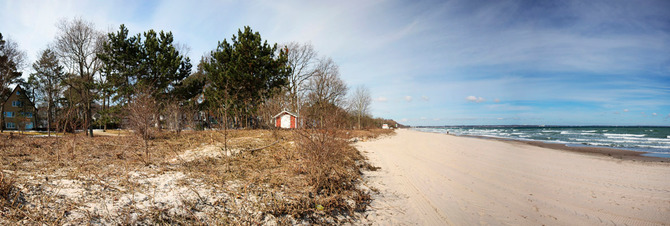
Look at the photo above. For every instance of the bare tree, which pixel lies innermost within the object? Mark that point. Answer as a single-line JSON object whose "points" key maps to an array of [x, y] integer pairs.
{"points": [[12, 51], [302, 60], [326, 93], [78, 43], [326, 86], [359, 103]]}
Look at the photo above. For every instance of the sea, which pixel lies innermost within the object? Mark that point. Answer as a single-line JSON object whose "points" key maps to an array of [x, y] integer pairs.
{"points": [[654, 141]]}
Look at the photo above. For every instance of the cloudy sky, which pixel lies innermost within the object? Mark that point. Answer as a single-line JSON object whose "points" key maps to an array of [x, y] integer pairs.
{"points": [[429, 62]]}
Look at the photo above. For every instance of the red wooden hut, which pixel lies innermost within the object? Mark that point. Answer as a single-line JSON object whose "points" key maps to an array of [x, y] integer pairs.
{"points": [[286, 120]]}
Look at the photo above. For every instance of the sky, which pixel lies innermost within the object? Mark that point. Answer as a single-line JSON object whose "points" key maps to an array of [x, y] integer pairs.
{"points": [[428, 63]]}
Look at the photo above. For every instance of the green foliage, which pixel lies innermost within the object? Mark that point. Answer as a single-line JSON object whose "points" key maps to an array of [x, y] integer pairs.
{"points": [[47, 80], [122, 62], [155, 62], [109, 116], [164, 67], [191, 86], [244, 73], [47, 76]]}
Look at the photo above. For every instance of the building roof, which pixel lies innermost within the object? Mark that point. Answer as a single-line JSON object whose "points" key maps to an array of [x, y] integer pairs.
{"points": [[286, 112], [23, 92]]}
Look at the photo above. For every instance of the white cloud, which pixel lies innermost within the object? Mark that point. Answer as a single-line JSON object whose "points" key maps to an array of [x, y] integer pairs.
{"points": [[496, 100], [654, 114], [424, 98], [475, 99], [500, 118], [381, 99], [408, 98], [403, 120], [625, 110]]}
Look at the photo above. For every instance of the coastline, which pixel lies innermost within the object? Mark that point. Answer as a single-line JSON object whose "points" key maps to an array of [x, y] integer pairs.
{"points": [[430, 179], [602, 151]]}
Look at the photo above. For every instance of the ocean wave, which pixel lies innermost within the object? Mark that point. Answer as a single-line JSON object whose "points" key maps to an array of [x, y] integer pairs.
{"points": [[654, 146], [598, 144], [658, 139], [581, 140], [623, 135]]}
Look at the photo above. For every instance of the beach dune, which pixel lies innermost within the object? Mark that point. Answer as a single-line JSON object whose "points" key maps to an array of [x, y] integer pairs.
{"points": [[438, 179]]}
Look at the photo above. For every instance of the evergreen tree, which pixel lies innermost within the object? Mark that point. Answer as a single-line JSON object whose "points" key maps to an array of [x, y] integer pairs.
{"points": [[155, 62], [47, 77], [122, 58], [244, 73]]}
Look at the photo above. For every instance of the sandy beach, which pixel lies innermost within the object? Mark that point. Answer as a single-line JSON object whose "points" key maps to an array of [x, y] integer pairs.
{"points": [[438, 179]]}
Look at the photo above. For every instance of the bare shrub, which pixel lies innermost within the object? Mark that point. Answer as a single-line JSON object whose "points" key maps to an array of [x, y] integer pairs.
{"points": [[142, 116], [332, 169], [9, 194]]}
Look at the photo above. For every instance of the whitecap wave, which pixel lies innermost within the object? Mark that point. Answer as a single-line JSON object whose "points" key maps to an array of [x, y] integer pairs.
{"points": [[624, 135]]}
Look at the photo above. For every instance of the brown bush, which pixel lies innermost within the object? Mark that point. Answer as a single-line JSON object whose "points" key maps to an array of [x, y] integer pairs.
{"points": [[288, 179], [332, 169]]}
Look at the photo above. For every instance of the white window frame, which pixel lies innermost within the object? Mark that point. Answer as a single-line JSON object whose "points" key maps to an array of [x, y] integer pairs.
{"points": [[9, 114], [13, 125], [16, 103]]}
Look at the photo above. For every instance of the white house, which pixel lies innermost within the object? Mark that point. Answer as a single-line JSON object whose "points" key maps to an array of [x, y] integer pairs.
{"points": [[286, 120]]}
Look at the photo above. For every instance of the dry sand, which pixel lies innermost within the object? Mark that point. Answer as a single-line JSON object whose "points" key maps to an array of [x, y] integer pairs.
{"points": [[437, 179]]}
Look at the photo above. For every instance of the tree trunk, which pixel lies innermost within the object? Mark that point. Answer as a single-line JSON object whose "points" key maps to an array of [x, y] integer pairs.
{"points": [[49, 119], [2, 118], [359, 121], [90, 118]]}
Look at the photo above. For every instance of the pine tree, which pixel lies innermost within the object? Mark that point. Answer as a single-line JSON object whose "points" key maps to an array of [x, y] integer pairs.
{"points": [[48, 75], [155, 62], [244, 73], [122, 58]]}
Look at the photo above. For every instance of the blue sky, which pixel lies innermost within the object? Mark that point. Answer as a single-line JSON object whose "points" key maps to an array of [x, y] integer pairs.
{"points": [[430, 62]]}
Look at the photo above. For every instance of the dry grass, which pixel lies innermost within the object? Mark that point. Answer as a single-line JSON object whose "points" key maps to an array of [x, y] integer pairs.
{"points": [[265, 176]]}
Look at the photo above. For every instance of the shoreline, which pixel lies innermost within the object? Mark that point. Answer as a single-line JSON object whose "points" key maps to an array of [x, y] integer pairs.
{"points": [[429, 179], [617, 153]]}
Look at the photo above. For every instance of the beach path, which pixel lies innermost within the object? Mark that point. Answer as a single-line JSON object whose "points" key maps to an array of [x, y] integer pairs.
{"points": [[438, 179]]}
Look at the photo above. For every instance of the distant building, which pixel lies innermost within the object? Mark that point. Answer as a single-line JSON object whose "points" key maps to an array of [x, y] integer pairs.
{"points": [[286, 120], [19, 111], [385, 126]]}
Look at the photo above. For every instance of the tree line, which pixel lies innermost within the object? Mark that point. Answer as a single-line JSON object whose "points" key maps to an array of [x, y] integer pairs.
{"points": [[144, 81]]}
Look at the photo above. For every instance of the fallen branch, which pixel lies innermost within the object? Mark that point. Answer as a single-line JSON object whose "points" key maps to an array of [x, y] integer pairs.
{"points": [[264, 147]]}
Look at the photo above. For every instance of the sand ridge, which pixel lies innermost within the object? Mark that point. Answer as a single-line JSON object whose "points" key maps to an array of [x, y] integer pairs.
{"points": [[437, 179]]}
